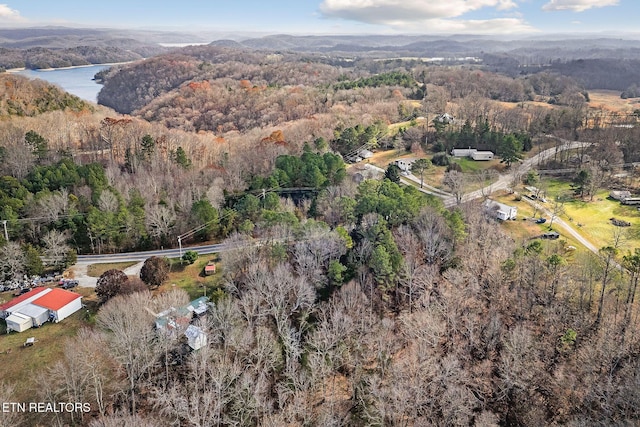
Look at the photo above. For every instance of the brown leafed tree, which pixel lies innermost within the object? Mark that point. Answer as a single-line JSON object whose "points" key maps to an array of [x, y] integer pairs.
{"points": [[110, 284], [155, 271]]}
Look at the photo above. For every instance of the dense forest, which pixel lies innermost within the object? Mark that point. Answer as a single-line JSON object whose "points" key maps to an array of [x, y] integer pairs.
{"points": [[342, 301]]}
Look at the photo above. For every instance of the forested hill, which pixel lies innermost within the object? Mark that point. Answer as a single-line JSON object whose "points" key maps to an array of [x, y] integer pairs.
{"points": [[41, 48], [20, 96], [601, 73], [132, 87]]}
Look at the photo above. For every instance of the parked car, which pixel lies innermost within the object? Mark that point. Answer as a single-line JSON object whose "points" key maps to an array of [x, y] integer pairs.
{"points": [[70, 284]]}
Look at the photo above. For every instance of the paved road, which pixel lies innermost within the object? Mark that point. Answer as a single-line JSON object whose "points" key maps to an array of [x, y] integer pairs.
{"points": [[504, 181], [79, 270]]}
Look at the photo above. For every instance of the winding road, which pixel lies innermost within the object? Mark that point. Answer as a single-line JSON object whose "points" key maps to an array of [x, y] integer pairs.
{"points": [[79, 270]]}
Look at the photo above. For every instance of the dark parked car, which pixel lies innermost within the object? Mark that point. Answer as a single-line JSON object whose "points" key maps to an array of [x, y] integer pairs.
{"points": [[70, 284], [541, 220], [551, 235]]}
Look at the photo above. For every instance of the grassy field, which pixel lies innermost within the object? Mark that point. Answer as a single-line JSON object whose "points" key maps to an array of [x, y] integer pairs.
{"points": [[96, 270], [470, 166], [525, 228], [191, 278], [592, 218]]}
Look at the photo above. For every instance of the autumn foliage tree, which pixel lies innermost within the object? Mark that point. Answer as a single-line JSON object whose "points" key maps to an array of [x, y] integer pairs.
{"points": [[110, 284], [155, 270]]}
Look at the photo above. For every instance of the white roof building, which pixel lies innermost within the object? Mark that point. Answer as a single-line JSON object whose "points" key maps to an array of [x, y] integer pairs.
{"points": [[18, 322], [501, 211], [196, 337], [38, 314]]}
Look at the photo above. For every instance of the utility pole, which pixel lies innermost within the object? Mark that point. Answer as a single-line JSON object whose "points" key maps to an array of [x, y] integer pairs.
{"points": [[6, 235], [180, 244]]}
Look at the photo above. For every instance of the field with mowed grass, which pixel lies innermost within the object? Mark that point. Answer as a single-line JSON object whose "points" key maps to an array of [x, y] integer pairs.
{"points": [[592, 218], [191, 278], [96, 270], [525, 229]]}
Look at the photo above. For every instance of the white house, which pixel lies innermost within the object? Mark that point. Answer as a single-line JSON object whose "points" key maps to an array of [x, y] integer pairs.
{"points": [[196, 337], [463, 152], [18, 322], [60, 303], [619, 195], [404, 164], [445, 118], [482, 155], [502, 212]]}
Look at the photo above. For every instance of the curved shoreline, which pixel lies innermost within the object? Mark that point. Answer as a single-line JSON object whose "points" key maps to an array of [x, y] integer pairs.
{"points": [[17, 70]]}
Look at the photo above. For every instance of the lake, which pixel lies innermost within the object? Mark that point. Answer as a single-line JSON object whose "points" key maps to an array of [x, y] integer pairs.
{"points": [[77, 81]]}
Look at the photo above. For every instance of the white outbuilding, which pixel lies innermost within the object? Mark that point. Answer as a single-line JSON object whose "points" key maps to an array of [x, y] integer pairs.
{"points": [[482, 155], [196, 338], [38, 314], [18, 322]]}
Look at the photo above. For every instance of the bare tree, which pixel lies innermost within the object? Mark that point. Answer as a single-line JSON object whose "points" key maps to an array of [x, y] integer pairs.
{"points": [[456, 183], [434, 235], [12, 260], [9, 418], [557, 208], [55, 247], [160, 220], [131, 338]]}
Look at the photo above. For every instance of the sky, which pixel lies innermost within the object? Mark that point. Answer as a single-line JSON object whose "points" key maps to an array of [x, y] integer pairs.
{"points": [[507, 17]]}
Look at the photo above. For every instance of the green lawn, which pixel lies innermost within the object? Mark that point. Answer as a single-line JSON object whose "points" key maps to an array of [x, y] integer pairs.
{"points": [[592, 218], [469, 165], [191, 278], [96, 270], [524, 229]]}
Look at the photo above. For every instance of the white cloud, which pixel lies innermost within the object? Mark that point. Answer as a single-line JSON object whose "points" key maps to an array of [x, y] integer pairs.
{"points": [[577, 5], [9, 15], [381, 11], [426, 15]]}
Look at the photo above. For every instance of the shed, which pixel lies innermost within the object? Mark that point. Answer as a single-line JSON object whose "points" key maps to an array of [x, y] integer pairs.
{"points": [[60, 303], [210, 269], [18, 322], [38, 314], [196, 338], [14, 305]]}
